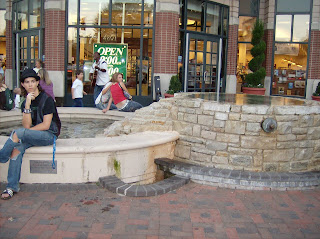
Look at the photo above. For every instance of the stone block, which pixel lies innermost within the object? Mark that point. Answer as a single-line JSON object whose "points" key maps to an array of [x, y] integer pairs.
{"points": [[236, 108], [205, 120], [192, 139], [251, 118], [241, 160], [235, 127], [299, 131], [270, 167], [228, 138], [219, 123], [208, 112], [287, 118], [253, 127], [305, 121], [234, 116], [213, 106], [196, 131], [303, 153], [255, 109], [187, 110], [208, 134], [183, 127], [180, 116], [200, 157], [190, 118], [242, 151], [214, 145], [190, 103], [286, 137], [284, 127], [313, 133], [278, 155], [299, 166], [219, 160], [287, 145], [221, 116], [285, 110], [306, 144], [316, 120], [284, 167], [258, 142], [257, 160], [182, 151]]}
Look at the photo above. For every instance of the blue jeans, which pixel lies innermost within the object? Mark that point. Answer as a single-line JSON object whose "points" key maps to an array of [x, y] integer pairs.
{"points": [[96, 91], [28, 138], [132, 106], [102, 106], [77, 102]]}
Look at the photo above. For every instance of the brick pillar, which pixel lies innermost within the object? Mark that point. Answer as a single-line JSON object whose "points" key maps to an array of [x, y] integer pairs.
{"points": [[231, 82], [268, 37], [166, 42], [54, 45], [9, 47], [314, 63], [9, 57]]}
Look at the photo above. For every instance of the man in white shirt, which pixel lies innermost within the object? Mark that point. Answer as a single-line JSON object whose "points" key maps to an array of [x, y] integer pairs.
{"points": [[102, 77]]}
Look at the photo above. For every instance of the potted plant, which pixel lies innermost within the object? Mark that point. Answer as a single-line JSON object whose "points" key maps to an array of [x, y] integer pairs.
{"points": [[254, 81], [316, 94], [174, 86]]}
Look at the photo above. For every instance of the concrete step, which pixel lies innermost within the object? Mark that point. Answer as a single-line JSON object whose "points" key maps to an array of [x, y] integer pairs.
{"points": [[241, 179], [115, 185]]}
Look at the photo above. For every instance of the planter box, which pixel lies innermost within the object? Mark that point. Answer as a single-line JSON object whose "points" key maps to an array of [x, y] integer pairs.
{"points": [[253, 91], [317, 98]]}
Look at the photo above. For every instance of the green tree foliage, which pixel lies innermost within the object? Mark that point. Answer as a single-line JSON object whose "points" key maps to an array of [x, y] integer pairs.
{"points": [[317, 92], [255, 79]]}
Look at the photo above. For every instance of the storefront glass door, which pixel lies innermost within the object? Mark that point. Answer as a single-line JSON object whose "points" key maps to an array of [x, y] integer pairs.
{"points": [[28, 50], [202, 68]]}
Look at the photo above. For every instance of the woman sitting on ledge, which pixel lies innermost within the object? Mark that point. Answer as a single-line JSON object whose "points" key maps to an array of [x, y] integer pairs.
{"points": [[118, 91], [41, 126]]}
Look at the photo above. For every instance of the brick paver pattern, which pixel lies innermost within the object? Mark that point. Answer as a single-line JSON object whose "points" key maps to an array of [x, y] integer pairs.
{"points": [[193, 211]]}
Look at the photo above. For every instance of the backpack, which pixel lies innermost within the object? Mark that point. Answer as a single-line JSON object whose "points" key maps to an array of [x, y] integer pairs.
{"points": [[9, 100]]}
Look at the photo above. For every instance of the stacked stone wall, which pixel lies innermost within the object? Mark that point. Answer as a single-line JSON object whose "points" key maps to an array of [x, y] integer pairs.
{"points": [[230, 136]]}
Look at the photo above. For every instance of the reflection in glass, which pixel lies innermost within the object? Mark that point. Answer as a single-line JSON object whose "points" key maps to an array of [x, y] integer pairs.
{"points": [[212, 19], [148, 12], [244, 56], [283, 27], [22, 9], [72, 12], [72, 56], [94, 12], [293, 6], [2, 48], [248, 7], [194, 16], [301, 28], [290, 67], [245, 28], [128, 14], [35, 15]]}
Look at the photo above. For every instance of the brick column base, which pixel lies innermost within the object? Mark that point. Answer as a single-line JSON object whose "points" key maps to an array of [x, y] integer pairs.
{"points": [[231, 80]]}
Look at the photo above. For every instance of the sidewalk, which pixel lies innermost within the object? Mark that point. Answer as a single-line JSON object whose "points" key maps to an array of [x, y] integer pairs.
{"points": [[193, 211]]}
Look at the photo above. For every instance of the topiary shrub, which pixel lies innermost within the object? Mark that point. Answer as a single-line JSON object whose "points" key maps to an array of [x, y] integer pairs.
{"points": [[174, 85], [255, 79], [317, 92]]}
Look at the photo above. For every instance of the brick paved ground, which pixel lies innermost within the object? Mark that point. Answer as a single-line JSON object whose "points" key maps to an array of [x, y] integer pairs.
{"points": [[193, 211]]}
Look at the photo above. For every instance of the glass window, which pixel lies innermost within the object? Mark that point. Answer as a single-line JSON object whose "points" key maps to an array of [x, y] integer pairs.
{"points": [[2, 23], [72, 56], [245, 28], [290, 65], [248, 7], [225, 20], [283, 27], [22, 18], [244, 57], [94, 12], [293, 6], [35, 9], [194, 14], [126, 13], [148, 12], [301, 28], [213, 14], [72, 12], [2, 49]]}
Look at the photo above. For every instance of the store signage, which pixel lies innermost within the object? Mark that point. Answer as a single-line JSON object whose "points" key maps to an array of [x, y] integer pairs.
{"points": [[115, 55]]}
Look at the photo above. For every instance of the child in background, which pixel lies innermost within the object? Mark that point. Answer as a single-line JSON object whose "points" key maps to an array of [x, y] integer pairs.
{"points": [[77, 89], [45, 83]]}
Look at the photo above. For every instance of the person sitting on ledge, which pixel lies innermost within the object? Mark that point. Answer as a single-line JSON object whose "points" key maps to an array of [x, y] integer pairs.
{"points": [[118, 91], [41, 126], [104, 97]]}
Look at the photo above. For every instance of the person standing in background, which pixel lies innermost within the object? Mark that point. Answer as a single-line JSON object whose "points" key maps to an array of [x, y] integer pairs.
{"points": [[77, 90], [45, 83], [1, 69], [38, 65], [99, 67]]}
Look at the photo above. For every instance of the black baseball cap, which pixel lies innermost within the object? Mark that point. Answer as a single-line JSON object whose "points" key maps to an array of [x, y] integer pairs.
{"points": [[29, 73]]}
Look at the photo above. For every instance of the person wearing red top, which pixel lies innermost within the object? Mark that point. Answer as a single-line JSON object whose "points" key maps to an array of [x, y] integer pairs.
{"points": [[118, 98]]}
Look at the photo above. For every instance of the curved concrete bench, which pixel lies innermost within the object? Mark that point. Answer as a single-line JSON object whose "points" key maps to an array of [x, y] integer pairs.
{"points": [[130, 157]]}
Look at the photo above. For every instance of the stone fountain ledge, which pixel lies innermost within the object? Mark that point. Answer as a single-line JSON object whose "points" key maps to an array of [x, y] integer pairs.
{"points": [[130, 157]]}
